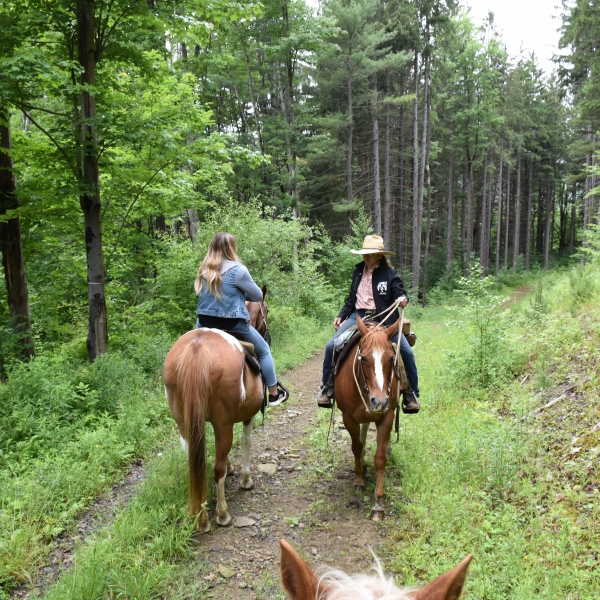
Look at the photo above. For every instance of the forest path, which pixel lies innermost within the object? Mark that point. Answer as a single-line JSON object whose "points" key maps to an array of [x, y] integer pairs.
{"points": [[320, 515]]}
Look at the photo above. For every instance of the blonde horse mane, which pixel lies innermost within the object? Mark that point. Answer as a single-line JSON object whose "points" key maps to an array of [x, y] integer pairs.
{"points": [[337, 585]]}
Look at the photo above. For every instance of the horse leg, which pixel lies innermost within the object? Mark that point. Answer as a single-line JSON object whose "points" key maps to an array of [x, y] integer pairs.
{"points": [[223, 441], [230, 469], [364, 430], [246, 482], [353, 429], [384, 428]]}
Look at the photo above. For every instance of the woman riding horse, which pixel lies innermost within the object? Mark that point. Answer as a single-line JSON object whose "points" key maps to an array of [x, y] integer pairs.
{"points": [[224, 284], [375, 288]]}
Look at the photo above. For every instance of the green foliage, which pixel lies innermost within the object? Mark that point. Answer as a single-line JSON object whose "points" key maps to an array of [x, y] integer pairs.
{"points": [[489, 356]]}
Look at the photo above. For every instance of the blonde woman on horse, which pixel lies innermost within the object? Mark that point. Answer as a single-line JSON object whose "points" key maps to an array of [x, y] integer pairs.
{"points": [[375, 288], [223, 285]]}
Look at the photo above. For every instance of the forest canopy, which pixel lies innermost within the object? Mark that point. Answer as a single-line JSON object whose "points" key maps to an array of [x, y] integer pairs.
{"points": [[129, 128]]}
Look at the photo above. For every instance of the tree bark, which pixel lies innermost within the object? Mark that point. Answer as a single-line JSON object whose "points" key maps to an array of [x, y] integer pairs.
{"points": [[483, 213], [376, 176], [573, 219], [89, 199], [507, 218], [428, 227], [517, 213], [387, 195], [469, 219], [499, 227], [350, 132], [416, 225], [529, 209], [450, 218], [13, 262], [549, 203]]}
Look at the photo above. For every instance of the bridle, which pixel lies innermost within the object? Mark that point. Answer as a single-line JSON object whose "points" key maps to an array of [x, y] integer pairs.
{"points": [[397, 368]]}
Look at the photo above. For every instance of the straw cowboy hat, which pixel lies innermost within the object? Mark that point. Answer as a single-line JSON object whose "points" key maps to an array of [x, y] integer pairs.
{"points": [[373, 244]]}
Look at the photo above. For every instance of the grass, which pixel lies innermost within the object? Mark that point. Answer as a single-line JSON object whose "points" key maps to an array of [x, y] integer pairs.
{"points": [[477, 472], [149, 549]]}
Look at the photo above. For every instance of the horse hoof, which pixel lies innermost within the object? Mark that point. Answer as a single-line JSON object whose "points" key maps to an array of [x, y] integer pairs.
{"points": [[377, 514], [203, 527], [359, 487], [224, 521], [247, 485], [230, 471]]}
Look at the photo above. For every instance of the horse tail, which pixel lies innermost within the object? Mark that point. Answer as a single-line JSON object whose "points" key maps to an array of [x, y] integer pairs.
{"points": [[195, 387]]}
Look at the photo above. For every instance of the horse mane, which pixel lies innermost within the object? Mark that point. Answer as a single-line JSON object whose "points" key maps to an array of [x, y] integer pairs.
{"points": [[337, 585]]}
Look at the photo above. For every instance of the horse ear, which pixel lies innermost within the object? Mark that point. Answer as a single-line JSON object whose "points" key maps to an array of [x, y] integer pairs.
{"points": [[447, 586], [391, 331], [298, 578], [264, 290], [362, 328]]}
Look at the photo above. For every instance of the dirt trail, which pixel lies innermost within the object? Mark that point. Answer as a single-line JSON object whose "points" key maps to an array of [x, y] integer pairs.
{"points": [[322, 517]]}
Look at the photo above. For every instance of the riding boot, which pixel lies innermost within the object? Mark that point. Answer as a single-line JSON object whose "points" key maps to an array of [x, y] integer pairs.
{"points": [[410, 402]]}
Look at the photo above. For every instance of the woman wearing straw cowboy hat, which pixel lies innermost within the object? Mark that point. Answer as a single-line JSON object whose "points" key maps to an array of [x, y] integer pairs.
{"points": [[375, 287]]}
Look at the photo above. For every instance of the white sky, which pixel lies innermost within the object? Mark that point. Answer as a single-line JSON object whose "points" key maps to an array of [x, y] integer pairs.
{"points": [[530, 24]]}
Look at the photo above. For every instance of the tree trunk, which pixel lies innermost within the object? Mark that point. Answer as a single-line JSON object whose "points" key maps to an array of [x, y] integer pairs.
{"points": [[507, 218], [428, 227], [376, 177], [387, 195], [549, 203], [469, 219], [529, 209], [488, 228], [517, 213], [350, 132], [483, 213], [400, 227], [12, 247], [193, 223], [573, 219], [499, 227], [450, 218], [89, 199], [416, 225]]}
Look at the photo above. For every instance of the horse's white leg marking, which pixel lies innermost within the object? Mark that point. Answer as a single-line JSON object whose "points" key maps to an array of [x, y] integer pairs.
{"points": [[229, 338], [377, 354], [246, 483], [243, 387], [184, 445], [230, 469], [223, 516], [364, 429]]}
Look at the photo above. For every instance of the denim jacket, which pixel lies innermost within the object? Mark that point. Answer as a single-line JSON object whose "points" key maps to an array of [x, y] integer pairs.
{"points": [[237, 287]]}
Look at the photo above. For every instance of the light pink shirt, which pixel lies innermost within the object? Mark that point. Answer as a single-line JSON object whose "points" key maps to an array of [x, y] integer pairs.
{"points": [[364, 294]]}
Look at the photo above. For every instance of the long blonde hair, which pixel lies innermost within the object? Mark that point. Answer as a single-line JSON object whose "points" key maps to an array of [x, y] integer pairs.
{"points": [[222, 246]]}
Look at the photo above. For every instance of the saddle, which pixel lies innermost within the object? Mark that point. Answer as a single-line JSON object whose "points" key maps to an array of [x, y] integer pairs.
{"points": [[251, 358]]}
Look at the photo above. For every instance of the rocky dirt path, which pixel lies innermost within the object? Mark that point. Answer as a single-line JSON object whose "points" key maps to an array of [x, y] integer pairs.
{"points": [[301, 493]]}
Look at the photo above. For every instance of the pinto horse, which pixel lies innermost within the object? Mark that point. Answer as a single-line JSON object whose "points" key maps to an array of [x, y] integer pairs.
{"points": [[366, 391], [301, 582], [207, 379]]}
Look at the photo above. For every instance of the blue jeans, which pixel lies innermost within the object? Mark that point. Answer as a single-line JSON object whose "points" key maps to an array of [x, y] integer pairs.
{"points": [[263, 352], [408, 358]]}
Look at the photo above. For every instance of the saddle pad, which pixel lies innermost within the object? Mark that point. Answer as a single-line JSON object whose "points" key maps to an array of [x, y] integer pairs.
{"points": [[248, 346]]}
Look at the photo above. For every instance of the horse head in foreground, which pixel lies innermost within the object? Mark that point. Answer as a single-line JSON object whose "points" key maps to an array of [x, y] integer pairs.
{"points": [[366, 391], [301, 582], [207, 379]]}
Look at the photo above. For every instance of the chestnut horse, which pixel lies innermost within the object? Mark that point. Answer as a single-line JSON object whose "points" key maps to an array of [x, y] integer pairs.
{"points": [[366, 391], [207, 380], [301, 582], [259, 312]]}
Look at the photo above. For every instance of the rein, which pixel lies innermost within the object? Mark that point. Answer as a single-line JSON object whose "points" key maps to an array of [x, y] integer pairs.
{"points": [[397, 371]]}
